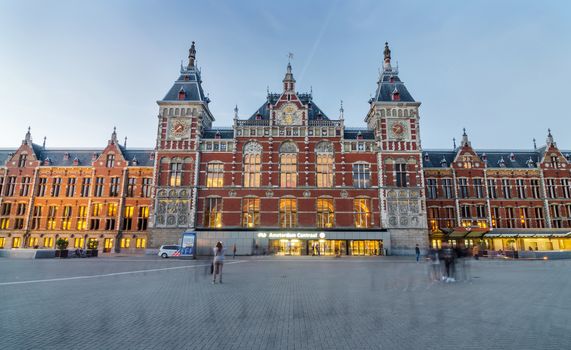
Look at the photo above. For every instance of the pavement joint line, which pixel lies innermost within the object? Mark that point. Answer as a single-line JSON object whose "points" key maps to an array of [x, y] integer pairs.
{"points": [[107, 274]]}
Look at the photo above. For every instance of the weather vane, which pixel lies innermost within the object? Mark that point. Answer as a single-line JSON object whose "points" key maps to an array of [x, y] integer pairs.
{"points": [[289, 57]]}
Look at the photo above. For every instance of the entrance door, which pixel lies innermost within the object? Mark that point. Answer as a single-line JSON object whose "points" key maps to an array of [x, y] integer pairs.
{"points": [[286, 247], [365, 247]]}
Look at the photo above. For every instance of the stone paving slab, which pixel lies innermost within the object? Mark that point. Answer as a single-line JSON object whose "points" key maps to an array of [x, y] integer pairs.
{"points": [[283, 303]]}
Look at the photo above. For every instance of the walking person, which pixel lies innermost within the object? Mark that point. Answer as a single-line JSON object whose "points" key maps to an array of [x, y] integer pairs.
{"points": [[417, 252], [218, 262], [234, 251]]}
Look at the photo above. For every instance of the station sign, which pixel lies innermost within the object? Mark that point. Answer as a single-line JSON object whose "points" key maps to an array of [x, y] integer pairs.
{"points": [[292, 235]]}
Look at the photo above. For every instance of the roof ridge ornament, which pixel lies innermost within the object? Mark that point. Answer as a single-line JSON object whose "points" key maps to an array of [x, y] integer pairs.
{"points": [[550, 138], [387, 58], [191, 56]]}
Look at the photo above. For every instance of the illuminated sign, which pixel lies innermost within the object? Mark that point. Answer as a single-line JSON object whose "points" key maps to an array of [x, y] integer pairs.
{"points": [[291, 235]]}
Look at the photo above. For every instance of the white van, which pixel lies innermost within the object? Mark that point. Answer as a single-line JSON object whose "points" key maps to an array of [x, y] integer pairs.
{"points": [[167, 251]]}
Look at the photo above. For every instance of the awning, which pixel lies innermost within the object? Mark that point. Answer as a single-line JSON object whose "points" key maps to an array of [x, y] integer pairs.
{"points": [[476, 234], [460, 233], [528, 233]]}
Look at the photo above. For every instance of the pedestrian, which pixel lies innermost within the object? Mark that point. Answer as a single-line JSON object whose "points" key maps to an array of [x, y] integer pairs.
{"points": [[234, 251], [417, 252], [218, 262]]}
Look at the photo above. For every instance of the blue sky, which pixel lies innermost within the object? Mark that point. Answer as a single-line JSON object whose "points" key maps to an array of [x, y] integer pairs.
{"points": [[74, 69]]}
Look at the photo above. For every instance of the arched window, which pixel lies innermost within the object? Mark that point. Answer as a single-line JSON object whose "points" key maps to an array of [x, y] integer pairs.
{"points": [[215, 175], [288, 165], [252, 164], [324, 166], [250, 212], [288, 212], [361, 212], [175, 174], [325, 212]]}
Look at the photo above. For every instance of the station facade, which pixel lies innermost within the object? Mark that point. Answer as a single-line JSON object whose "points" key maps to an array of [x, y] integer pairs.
{"points": [[285, 179]]}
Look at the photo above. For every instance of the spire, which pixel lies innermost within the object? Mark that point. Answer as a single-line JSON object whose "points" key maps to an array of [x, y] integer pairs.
{"points": [[387, 59], [236, 112], [113, 136], [28, 137], [125, 142], [191, 56], [454, 142], [534, 145], [465, 141], [44, 144], [289, 81], [341, 111], [549, 138]]}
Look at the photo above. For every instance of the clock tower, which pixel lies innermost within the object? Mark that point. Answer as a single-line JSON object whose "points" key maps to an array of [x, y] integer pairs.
{"points": [[393, 115], [183, 115]]}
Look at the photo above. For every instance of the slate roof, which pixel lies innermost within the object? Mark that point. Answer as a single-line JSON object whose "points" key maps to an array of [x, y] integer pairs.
{"points": [[84, 156], [190, 82], [306, 100], [386, 86], [492, 158], [225, 133], [352, 133]]}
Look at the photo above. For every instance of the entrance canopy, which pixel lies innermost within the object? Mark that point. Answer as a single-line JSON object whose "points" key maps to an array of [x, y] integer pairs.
{"points": [[528, 233]]}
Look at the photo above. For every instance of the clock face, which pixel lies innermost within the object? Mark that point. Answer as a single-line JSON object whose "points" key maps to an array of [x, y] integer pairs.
{"points": [[398, 130], [178, 128], [289, 115]]}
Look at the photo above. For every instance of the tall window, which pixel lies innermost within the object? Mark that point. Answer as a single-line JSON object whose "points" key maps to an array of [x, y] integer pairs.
{"points": [[175, 175], [288, 212], [36, 217], [131, 183], [539, 217], [66, 218], [143, 219], [82, 218], [478, 188], [510, 217], [555, 215], [325, 212], [110, 161], [128, 217], [463, 186], [492, 189], [22, 160], [56, 186], [146, 187], [99, 181], [51, 222], [25, 188], [215, 175], [506, 189], [250, 212], [252, 164], [324, 164], [520, 188], [431, 189], [213, 212], [361, 212], [566, 190], [70, 188], [535, 188], [447, 188], [361, 175], [551, 190], [114, 187], [42, 184], [85, 186], [288, 165], [400, 175], [1, 184], [10, 186]]}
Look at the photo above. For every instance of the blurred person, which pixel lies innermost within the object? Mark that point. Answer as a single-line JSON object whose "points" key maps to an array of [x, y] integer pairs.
{"points": [[448, 255], [234, 251], [417, 253], [218, 262], [435, 271]]}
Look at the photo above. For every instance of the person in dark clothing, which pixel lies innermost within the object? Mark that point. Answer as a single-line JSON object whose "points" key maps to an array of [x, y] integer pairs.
{"points": [[417, 252]]}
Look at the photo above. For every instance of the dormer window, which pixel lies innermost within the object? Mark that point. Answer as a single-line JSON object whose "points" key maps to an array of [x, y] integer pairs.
{"points": [[396, 95], [47, 161], [66, 156], [426, 157], [443, 163], [110, 161], [186, 78], [181, 94], [94, 156], [484, 157], [512, 157], [75, 161], [258, 116], [391, 79], [359, 136], [502, 162], [530, 163], [554, 161], [217, 136], [22, 160]]}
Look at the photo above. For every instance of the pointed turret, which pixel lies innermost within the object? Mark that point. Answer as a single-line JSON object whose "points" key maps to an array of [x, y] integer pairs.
{"points": [[191, 56], [28, 138], [465, 142], [289, 81], [387, 59], [390, 87], [549, 140], [113, 139]]}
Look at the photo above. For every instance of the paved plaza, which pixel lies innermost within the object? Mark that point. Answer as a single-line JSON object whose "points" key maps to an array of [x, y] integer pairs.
{"points": [[282, 303]]}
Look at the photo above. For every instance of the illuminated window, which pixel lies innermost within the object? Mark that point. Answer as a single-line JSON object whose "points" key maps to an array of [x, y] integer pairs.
{"points": [[250, 212], [128, 217], [141, 243], [82, 217], [111, 209], [4, 224], [16, 242], [125, 242], [324, 169], [66, 218], [51, 222], [107, 244], [175, 176], [361, 212], [215, 175], [361, 175], [2, 242], [78, 242], [288, 212], [288, 165], [48, 242], [143, 219], [252, 170], [213, 212], [32, 242], [325, 212]]}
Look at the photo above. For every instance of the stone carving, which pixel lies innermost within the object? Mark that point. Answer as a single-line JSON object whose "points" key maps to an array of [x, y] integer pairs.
{"points": [[172, 193], [162, 193], [393, 220], [269, 193], [252, 147], [183, 193], [232, 193], [161, 209], [392, 208], [404, 221], [160, 219], [414, 221], [288, 147], [413, 207], [182, 220], [403, 208], [344, 194], [306, 193], [171, 220], [324, 147]]}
